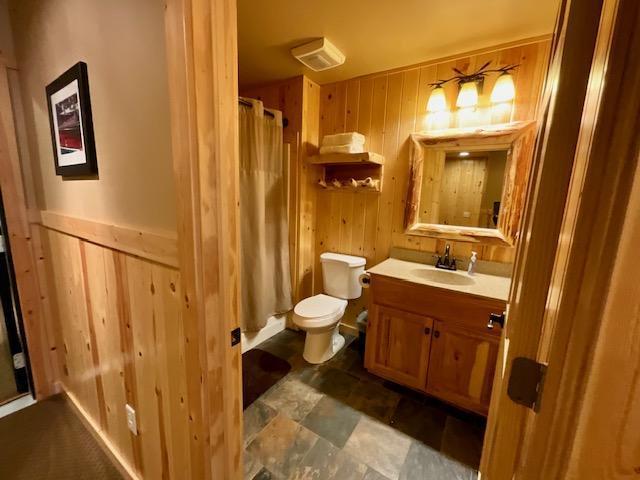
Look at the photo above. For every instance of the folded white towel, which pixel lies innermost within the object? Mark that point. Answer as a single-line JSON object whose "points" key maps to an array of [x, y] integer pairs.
{"points": [[342, 149], [349, 138]]}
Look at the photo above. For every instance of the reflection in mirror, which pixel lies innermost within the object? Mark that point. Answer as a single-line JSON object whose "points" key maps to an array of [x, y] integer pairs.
{"points": [[464, 188]]}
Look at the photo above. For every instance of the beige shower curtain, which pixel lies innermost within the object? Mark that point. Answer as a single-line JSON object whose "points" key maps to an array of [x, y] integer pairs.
{"points": [[264, 251]]}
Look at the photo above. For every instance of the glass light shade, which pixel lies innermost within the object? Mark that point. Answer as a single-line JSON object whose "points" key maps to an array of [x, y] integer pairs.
{"points": [[504, 90], [437, 101], [468, 96]]}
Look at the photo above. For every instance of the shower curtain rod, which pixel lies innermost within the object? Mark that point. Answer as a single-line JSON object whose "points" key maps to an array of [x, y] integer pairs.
{"points": [[285, 121], [249, 104]]}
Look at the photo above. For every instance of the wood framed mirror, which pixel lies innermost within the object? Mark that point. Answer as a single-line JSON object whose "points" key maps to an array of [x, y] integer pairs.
{"points": [[469, 184]]}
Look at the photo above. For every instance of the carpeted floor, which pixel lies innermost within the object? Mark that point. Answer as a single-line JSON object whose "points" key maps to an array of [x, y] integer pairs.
{"points": [[260, 371], [48, 441]]}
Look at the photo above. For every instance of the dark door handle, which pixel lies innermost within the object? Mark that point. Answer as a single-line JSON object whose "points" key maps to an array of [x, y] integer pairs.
{"points": [[427, 331], [436, 334], [496, 318]]}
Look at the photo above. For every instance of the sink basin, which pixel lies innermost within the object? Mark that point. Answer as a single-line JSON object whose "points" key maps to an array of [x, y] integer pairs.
{"points": [[443, 276]]}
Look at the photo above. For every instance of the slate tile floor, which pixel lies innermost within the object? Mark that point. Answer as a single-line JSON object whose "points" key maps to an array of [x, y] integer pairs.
{"points": [[338, 422]]}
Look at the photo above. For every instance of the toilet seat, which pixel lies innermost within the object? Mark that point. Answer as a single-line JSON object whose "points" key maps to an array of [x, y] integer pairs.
{"points": [[319, 310], [318, 306]]}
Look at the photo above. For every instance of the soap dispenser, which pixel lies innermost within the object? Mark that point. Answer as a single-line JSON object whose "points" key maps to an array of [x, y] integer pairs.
{"points": [[472, 263]]}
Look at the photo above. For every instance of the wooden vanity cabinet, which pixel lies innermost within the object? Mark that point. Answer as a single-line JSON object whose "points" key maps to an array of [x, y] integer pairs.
{"points": [[400, 345], [462, 366], [433, 340]]}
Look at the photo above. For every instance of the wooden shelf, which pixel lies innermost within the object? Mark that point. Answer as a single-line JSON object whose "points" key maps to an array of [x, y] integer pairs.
{"points": [[365, 158], [350, 188], [346, 166]]}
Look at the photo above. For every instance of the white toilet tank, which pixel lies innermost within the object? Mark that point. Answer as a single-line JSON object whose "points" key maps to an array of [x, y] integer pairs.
{"points": [[340, 275]]}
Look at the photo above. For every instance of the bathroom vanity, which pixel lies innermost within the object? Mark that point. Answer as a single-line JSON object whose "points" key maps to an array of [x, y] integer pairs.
{"points": [[428, 330]]}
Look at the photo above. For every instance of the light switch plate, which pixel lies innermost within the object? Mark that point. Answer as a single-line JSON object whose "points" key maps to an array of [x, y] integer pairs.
{"points": [[18, 361], [132, 422]]}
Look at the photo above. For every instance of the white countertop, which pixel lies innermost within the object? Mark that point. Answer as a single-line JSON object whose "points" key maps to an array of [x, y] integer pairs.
{"points": [[480, 284]]}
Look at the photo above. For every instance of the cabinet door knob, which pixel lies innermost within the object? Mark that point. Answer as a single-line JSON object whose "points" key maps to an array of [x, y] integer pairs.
{"points": [[436, 334], [427, 331]]}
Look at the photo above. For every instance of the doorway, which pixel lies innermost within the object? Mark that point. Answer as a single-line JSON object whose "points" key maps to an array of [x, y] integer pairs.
{"points": [[226, 195], [14, 376]]}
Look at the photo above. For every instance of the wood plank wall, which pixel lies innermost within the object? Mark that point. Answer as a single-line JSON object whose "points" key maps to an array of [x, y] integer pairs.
{"points": [[120, 340], [387, 107]]}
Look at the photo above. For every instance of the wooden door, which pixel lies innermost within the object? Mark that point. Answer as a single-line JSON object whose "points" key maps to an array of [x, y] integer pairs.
{"points": [[461, 366], [398, 345], [573, 305]]}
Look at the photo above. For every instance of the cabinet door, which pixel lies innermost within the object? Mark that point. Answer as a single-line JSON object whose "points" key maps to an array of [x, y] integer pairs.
{"points": [[398, 345], [462, 366]]}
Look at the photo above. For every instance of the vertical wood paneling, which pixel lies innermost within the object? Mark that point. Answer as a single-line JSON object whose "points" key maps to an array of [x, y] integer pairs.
{"points": [[308, 193], [375, 138], [79, 375], [101, 284], [143, 327], [386, 108], [123, 342], [389, 149], [346, 222], [407, 121], [339, 122], [365, 105], [353, 99]]}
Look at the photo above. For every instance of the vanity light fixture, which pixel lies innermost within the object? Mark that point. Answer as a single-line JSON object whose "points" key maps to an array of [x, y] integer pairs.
{"points": [[468, 95], [463, 154], [470, 87], [504, 89], [437, 100]]}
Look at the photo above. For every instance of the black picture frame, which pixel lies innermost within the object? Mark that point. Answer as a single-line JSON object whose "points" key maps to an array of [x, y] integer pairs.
{"points": [[74, 149]]}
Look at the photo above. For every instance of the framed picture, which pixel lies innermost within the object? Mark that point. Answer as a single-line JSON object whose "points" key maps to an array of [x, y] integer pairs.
{"points": [[74, 149]]}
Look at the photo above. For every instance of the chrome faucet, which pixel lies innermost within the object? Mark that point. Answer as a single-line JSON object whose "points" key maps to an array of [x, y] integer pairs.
{"points": [[446, 262]]}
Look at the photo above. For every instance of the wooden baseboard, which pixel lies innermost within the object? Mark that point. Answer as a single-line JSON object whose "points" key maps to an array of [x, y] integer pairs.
{"points": [[127, 472]]}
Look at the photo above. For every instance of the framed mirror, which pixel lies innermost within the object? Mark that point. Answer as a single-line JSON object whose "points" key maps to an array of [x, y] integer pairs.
{"points": [[469, 184]]}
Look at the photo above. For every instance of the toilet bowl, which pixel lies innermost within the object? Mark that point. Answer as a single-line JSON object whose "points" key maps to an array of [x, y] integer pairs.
{"points": [[320, 316]]}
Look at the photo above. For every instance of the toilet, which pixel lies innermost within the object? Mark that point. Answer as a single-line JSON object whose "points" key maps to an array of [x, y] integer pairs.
{"points": [[319, 316]]}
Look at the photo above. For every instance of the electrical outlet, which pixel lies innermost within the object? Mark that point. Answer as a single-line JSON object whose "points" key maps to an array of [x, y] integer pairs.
{"points": [[132, 423]]}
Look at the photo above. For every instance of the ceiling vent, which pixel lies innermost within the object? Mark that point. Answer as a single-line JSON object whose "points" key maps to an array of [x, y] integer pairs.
{"points": [[319, 55]]}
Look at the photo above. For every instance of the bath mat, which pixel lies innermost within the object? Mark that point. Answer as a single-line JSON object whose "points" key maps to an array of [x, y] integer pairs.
{"points": [[260, 371]]}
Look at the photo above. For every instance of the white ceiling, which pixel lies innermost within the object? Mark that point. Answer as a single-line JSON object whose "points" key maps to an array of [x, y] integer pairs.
{"points": [[378, 35]]}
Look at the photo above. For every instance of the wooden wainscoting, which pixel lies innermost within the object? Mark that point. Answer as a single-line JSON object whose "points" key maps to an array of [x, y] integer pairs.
{"points": [[120, 340], [152, 246]]}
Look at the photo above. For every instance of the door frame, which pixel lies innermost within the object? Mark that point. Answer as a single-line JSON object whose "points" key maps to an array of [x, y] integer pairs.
{"points": [[201, 42], [12, 313], [25, 246], [565, 261], [201, 47]]}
